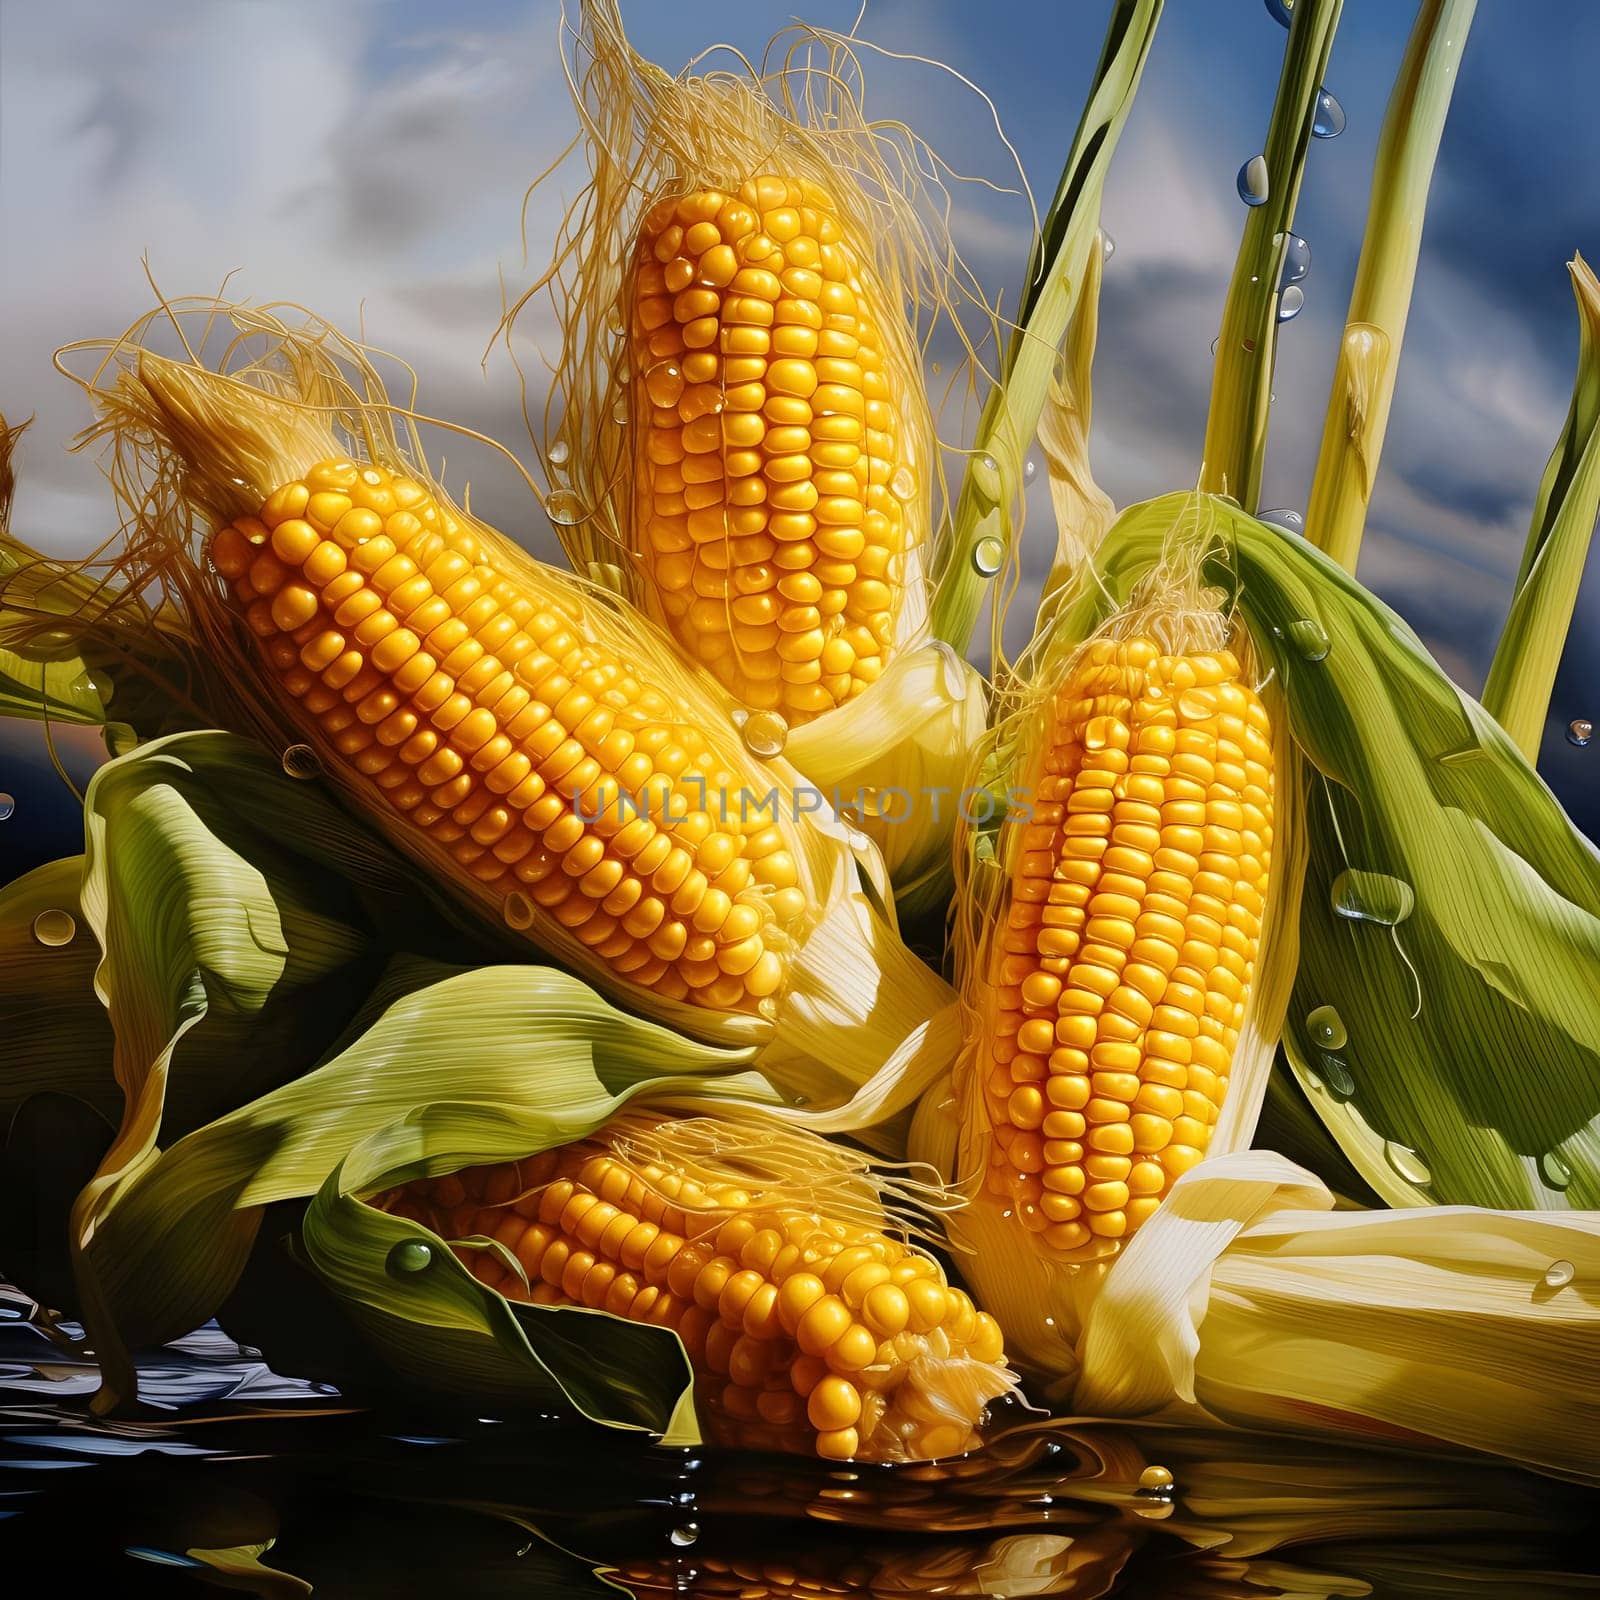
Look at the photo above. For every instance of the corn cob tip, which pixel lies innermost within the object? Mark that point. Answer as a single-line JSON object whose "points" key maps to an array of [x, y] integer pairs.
{"points": [[805, 1333]]}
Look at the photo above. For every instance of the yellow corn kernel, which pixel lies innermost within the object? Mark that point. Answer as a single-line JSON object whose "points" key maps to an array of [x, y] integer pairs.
{"points": [[516, 710], [787, 313], [804, 1334], [1125, 968]]}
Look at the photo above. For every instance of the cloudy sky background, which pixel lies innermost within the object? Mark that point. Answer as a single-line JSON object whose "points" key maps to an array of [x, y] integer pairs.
{"points": [[368, 158]]}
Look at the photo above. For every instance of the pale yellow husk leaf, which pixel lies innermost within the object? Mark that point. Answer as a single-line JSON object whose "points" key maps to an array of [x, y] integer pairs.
{"points": [[1247, 1299]]}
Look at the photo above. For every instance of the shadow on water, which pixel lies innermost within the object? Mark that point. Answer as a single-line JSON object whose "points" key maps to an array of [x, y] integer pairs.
{"points": [[237, 1478]]}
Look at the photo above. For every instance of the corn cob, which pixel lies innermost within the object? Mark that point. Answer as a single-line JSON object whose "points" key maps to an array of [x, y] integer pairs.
{"points": [[771, 468], [1117, 980], [472, 702], [805, 1334]]}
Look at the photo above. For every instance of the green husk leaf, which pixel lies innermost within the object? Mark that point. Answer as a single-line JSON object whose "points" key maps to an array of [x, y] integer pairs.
{"points": [[1469, 1071], [1241, 385], [1523, 672], [1057, 273], [1083, 510], [439, 1326], [170, 1242], [1375, 325], [56, 1037], [234, 945]]}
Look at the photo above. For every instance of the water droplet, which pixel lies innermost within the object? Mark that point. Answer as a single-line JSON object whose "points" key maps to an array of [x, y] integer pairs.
{"points": [[410, 1255], [685, 1535], [1327, 121], [1291, 303], [54, 927], [1252, 181], [1296, 259], [664, 383], [8, 808], [988, 555], [1326, 1028], [1373, 897], [986, 475], [1337, 1077], [1310, 639], [1580, 733], [1406, 1162], [1555, 1172], [300, 761], [1215, 342], [614, 322], [620, 411], [1559, 1274], [517, 910], [562, 507], [903, 485], [765, 734], [1030, 469], [1108, 246], [1279, 11], [1156, 1478], [559, 452], [1283, 517]]}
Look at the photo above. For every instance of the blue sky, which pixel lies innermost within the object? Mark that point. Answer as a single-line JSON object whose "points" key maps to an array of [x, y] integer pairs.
{"points": [[370, 157]]}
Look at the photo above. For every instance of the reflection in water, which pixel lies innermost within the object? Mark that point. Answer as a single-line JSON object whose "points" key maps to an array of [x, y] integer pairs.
{"points": [[239, 1479]]}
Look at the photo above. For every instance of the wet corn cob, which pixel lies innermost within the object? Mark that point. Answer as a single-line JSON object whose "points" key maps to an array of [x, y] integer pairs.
{"points": [[805, 1334], [772, 467], [473, 702], [1118, 978]]}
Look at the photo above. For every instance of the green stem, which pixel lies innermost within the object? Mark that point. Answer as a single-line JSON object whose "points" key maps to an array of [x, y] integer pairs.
{"points": [[1523, 672], [1241, 383], [1363, 383], [1056, 271]]}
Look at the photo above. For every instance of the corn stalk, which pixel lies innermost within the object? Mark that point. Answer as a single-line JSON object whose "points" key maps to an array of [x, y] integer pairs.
{"points": [[1363, 381], [1056, 272], [1241, 382], [1525, 661]]}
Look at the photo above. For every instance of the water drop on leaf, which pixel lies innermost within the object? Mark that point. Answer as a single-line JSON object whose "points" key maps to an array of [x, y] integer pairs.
{"points": [[1279, 11], [410, 1255], [1296, 259], [1373, 897], [1310, 639], [54, 927], [559, 452], [1108, 246], [1291, 303], [1155, 1478], [1555, 1172], [988, 555], [1252, 181], [1030, 470], [1341, 1085], [1406, 1162], [562, 507], [1559, 1274], [1327, 1029], [300, 761], [1327, 121], [619, 410], [8, 808], [1289, 521], [903, 485], [1580, 733], [517, 910]]}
